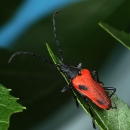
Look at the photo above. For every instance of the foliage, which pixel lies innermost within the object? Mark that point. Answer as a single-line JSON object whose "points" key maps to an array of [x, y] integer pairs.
{"points": [[8, 106], [114, 119]]}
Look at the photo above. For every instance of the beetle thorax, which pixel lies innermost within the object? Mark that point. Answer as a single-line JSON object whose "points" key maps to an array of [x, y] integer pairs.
{"points": [[69, 71]]}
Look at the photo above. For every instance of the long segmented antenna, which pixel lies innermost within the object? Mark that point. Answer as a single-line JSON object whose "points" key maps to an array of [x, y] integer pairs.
{"points": [[55, 36], [32, 54], [38, 56]]}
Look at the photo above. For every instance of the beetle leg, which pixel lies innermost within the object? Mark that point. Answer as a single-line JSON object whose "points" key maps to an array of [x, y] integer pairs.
{"points": [[66, 88], [79, 66], [75, 98], [94, 72], [110, 88], [93, 122]]}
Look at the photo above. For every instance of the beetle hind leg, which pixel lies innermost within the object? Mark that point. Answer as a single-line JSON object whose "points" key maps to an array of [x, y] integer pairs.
{"points": [[111, 89], [91, 113]]}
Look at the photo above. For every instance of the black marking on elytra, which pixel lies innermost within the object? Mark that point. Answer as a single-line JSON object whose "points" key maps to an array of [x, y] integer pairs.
{"points": [[82, 87], [100, 102]]}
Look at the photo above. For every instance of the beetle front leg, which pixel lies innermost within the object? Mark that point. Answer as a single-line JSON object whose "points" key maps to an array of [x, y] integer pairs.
{"points": [[94, 72], [66, 88], [79, 66]]}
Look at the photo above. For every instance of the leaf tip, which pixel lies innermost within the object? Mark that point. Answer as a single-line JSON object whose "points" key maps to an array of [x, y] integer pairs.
{"points": [[24, 108], [9, 90], [99, 23]]}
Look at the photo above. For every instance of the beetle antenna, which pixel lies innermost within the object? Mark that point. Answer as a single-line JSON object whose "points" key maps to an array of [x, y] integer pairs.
{"points": [[55, 36], [32, 54]]}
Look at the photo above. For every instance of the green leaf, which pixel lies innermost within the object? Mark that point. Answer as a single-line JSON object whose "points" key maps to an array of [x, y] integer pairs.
{"points": [[113, 119], [8, 106], [55, 60], [120, 36]]}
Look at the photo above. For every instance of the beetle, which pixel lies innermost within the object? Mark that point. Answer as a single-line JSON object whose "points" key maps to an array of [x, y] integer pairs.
{"points": [[84, 81]]}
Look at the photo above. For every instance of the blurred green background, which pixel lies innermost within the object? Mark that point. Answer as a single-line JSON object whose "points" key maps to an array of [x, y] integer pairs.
{"points": [[37, 83]]}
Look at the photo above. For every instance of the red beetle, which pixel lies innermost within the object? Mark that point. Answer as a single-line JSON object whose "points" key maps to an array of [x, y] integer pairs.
{"points": [[82, 80]]}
